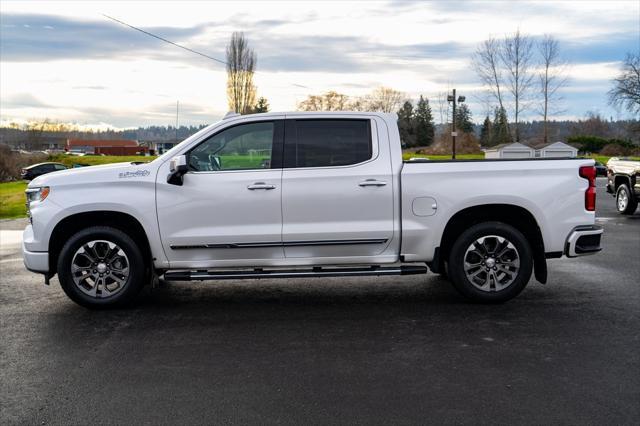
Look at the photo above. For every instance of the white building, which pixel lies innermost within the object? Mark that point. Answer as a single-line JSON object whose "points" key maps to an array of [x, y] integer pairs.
{"points": [[555, 150], [509, 150], [518, 150]]}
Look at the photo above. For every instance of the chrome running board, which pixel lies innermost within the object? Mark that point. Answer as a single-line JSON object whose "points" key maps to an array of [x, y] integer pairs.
{"points": [[202, 275]]}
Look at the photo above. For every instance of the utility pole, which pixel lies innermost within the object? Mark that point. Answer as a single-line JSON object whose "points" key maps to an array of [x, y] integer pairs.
{"points": [[177, 107], [454, 134]]}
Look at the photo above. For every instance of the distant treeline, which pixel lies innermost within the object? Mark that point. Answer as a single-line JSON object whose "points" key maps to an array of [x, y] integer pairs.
{"points": [[33, 135], [594, 125]]}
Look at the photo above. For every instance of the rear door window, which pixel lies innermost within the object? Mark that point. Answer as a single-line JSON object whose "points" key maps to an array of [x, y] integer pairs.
{"points": [[328, 142]]}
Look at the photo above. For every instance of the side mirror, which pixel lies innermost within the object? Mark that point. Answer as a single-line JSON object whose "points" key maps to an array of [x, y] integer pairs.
{"points": [[178, 167]]}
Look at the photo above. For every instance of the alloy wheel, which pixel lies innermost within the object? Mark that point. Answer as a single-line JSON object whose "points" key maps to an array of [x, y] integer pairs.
{"points": [[100, 268], [491, 263]]}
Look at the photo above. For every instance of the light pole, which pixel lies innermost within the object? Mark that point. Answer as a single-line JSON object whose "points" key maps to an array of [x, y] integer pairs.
{"points": [[177, 107], [460, 99]]}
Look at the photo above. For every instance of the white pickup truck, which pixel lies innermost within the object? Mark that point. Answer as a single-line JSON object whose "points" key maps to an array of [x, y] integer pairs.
{"points": [[282, 195]]}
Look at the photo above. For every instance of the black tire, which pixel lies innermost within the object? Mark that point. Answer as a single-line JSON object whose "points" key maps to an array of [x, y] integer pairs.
{"points": [[630, 206], [134, 282], [492, 294]]}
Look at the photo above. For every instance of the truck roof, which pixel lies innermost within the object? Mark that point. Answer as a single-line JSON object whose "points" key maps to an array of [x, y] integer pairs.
{"points": [[386, 115]]}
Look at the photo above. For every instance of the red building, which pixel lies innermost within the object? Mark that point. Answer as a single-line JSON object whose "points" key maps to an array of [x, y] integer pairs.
{"points": [[106, 147]]}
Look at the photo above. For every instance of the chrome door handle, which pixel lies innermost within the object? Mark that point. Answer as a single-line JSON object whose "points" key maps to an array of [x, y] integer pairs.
{"points": [[260, 185], [372, 182]]}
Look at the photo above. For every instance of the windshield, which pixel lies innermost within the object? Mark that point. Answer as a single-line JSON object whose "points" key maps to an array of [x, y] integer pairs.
{"points": [[193, 137]]}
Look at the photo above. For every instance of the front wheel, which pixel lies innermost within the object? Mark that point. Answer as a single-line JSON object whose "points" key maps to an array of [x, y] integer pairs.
{"points": [[101, 267], [490, 262], [625, 203]]}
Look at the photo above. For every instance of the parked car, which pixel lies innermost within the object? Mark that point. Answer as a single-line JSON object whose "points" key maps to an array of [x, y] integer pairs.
{"points": [[35, 170], [623, 182], [601, 169], [334, 199]]}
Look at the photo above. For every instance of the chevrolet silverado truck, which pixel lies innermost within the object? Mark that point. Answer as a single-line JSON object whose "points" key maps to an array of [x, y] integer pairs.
{"points": [[623, 182], [282, 195]]}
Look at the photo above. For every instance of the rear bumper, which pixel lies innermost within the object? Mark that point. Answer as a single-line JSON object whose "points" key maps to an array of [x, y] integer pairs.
{"points": [[584, 240], [35, 261]]}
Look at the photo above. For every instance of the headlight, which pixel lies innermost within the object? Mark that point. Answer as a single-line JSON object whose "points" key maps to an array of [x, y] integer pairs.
{"points": [[36, 194]]}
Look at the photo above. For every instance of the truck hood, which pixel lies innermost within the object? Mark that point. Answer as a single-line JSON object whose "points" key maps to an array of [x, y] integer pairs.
{"points": [[116, 172]]}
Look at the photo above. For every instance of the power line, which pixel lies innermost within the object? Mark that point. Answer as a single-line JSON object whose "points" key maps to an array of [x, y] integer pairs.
{"points": [[164, 39], [179, 45]]}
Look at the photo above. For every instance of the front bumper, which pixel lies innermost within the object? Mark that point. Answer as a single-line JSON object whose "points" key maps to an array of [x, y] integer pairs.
{"points": [[584, 240], [35, 261]]}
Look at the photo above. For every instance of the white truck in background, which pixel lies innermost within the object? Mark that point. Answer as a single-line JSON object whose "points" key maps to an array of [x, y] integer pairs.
{"points": [[623, 182], [301, 194]]}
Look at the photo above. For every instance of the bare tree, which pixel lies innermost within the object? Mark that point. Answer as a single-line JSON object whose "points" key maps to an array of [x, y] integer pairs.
{"points": [[443, 107], [626, 90], [359, 103], [552, 78], [35, 129], [487, 64], [330, 101], [241, 63], [384, 99], [517, 57]]}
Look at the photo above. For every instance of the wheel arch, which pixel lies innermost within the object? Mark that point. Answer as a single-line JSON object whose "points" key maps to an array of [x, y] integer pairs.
{"points": [[516, 216], [619, 179], [71, 224]]}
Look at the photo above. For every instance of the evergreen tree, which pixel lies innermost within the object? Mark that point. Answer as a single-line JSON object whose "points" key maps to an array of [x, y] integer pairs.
{"points": [[500, 128], [406, 124], [464, 121], [424, 126], [486, 132], [261, 106]]}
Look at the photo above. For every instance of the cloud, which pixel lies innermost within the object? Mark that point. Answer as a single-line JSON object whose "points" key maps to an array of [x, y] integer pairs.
{"points": [[77, 60], [34, 37], [96, 87], [347, 54], [23, 100], [611, 48]]}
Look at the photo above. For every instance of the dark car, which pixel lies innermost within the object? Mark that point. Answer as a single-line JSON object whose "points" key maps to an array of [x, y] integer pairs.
{"points": [[601, 169], [36, 170]]}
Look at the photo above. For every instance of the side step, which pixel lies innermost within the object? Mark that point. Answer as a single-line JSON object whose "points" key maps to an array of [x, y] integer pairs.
{"points": [[292, 273]]}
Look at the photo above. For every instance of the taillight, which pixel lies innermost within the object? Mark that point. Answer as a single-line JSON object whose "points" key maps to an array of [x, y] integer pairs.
{"points": [[589, 173]]}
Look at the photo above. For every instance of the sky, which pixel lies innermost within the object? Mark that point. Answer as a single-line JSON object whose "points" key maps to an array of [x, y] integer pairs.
{"points": [[66, 62]]}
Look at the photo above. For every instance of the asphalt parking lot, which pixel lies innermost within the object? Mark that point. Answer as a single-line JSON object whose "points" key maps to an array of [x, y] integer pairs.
{"points": [[389, 350]]}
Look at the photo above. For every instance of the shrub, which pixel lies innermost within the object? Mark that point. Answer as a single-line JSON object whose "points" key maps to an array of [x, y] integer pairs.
{"points": [[596, 144], [613, 150], [466, 143], [11, 162], [618, 150]]}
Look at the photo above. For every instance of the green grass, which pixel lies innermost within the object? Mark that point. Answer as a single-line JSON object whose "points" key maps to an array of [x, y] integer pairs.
{"points": [[12, 200], [408, 155], [230, 162], [603, 159], [94, 160]]}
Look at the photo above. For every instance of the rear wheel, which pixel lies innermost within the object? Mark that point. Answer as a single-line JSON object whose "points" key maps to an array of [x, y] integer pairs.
{"points": [[625, 202], [101, 267], [490, 262]]}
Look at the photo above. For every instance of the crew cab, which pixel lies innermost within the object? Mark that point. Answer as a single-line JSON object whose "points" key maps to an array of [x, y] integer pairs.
{"points": [[302, 194], [623, 182]]}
